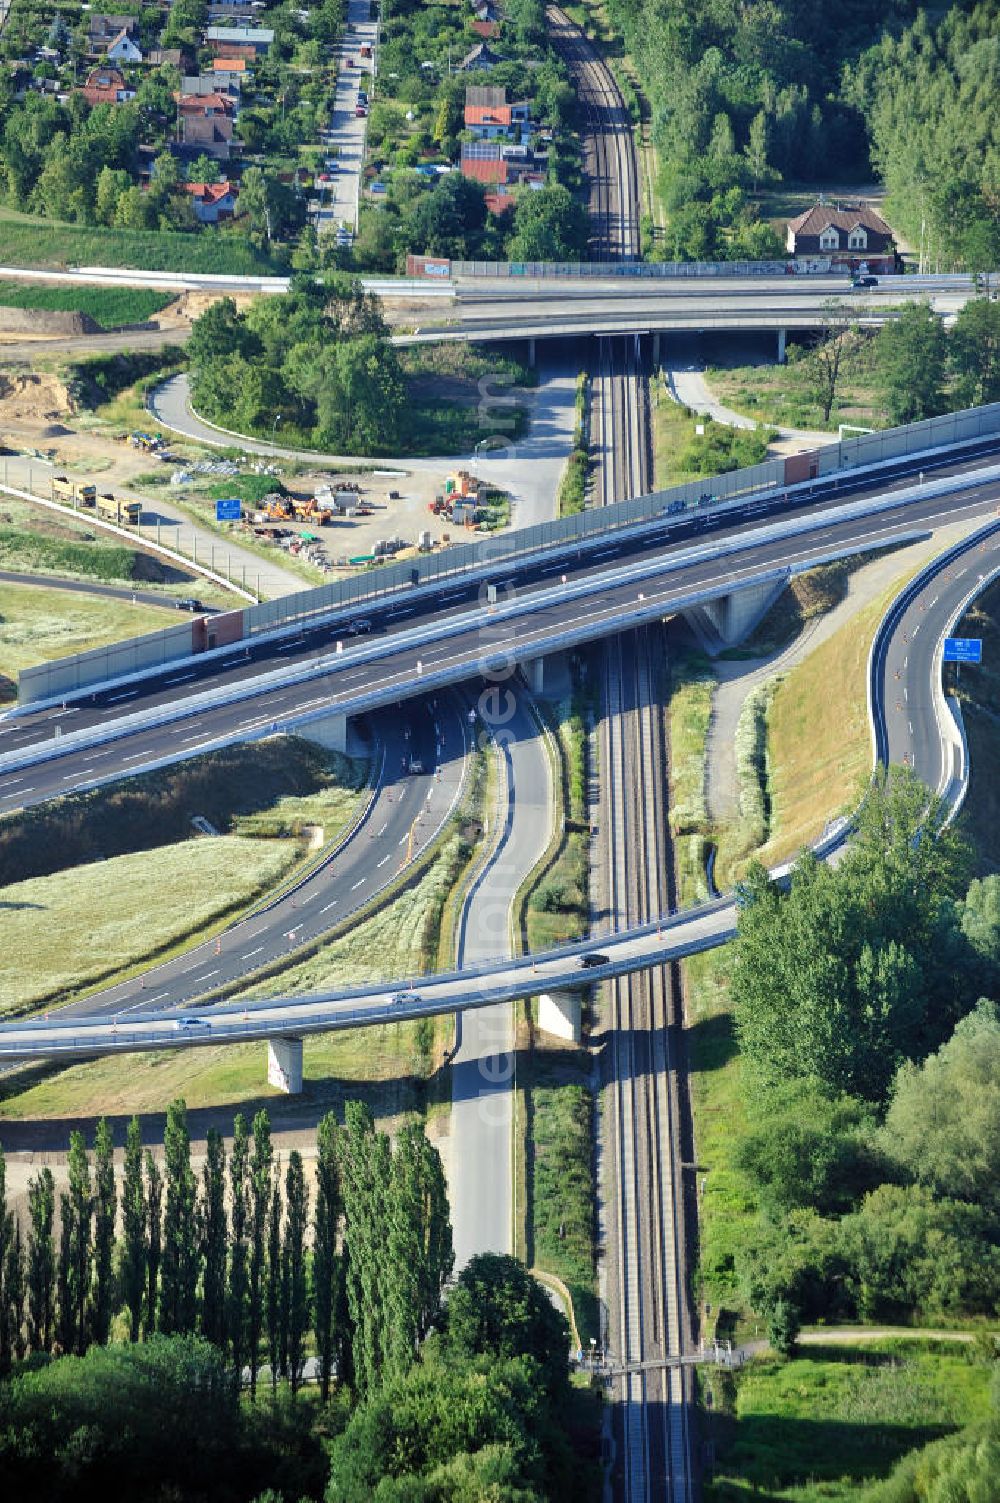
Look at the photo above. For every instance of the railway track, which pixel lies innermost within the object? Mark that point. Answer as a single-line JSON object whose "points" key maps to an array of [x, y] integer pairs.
{"points": [[644, 1230]]}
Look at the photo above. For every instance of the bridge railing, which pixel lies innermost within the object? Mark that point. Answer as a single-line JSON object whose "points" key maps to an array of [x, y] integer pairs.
{"points": [[68, 675]]}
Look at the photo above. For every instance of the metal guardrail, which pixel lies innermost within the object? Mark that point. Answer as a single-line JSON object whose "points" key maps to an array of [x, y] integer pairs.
{"points": [[490, 618], [231, 1022], [478, 559]]}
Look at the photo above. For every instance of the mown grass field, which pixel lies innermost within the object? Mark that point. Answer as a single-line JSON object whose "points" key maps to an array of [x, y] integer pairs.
{"points": [[820, 1426], [30, 241], [71, 929], [110, 306], [396, 1058], [819, 743], [38, 624]]}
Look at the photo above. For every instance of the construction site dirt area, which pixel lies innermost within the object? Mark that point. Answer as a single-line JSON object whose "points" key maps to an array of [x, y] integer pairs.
{"points": [[342, 522]]}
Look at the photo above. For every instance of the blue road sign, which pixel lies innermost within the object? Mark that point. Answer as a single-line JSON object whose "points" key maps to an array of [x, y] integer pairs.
{"points": [[963, 649], [228, 510]]}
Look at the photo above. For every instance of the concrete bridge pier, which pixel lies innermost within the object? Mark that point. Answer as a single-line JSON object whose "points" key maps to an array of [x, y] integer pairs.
{"points": [[781, 346], [329, 731], [531, 351], [559, 1014], [534, 672], [656, 351], [727, 620], [284, 1065]]}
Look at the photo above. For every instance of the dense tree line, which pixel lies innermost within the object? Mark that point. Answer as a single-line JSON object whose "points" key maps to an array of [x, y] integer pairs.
{"points": [[928, 95], [872, 1075], [485, 1411], [742, 95], [917, 367], [317, 360], [244, 1256]]}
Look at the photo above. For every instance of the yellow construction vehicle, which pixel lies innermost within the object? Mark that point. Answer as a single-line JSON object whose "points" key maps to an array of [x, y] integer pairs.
{"points": [[125, 513], [73, 492]]}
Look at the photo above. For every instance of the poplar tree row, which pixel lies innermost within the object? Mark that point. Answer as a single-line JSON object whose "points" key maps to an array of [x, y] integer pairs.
{"points": [[241, 1256]]}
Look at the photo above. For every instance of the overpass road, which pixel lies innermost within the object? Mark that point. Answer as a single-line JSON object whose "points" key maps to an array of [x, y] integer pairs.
{"points": [[419, 644], [925, 611], [644, 307]]}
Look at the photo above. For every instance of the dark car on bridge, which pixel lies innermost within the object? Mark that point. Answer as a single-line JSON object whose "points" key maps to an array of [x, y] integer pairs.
{"points": [[593, 959]]}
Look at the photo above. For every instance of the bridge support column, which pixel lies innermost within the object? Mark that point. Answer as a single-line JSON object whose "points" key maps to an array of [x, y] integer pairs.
{"points": [[656, 351], [535, 674], [330, 731], [727, 620], [559, 1014], [531, 351], [284, 1065], [781, 346]]}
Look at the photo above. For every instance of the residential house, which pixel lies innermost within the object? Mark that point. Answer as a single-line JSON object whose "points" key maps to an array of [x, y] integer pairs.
{"points": [[212, 134], [167, 57], [207, 104], [207, 83], [499, 203], [488, 114], [239, 41], [487, 10], [102, 31], [213, 202], [226, 12], [488, 30], [106, 86], [122, 49], [480, 58], [230, 71], [496, 162], [847, 237]]}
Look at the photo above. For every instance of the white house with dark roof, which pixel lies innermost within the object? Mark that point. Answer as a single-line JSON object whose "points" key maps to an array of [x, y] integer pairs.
{"points": [[847, 236]]}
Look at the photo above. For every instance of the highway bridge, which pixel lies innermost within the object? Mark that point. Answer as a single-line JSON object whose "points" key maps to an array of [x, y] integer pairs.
{"points": [[727, 563], [646, 573]]}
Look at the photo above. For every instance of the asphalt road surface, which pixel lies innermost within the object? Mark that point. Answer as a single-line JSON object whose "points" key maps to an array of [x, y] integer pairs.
{"points": [[406, 814], [480, 1170], [421, 643], [931, 605]]}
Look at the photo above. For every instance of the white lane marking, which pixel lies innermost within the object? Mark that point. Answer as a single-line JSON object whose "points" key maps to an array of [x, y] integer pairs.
{"points": [[181, 679], [360, 883], [251, 953], [208, 974], [383, 829], [911, 727], [906, 694], [116, 697], [404, 840], [329, 906], [383, 861]]}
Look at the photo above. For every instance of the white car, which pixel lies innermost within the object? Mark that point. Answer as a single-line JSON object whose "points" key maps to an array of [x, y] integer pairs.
{"points": [[403, 999], [192, 1025]]}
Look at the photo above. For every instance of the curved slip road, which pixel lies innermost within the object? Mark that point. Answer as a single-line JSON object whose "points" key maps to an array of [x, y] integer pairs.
{"points": [[933, 747], [404, 813]]}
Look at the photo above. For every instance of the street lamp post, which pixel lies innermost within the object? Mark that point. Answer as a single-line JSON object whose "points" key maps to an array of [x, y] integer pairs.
{"points": [[277, 420]]}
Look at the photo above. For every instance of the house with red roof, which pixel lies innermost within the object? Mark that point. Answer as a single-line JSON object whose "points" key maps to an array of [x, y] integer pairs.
{"points": [[106, 86], [489, 115], [213, 202]]}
